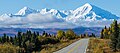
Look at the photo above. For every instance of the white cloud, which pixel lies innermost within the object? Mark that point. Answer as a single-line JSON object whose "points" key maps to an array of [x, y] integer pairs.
{"points": [[48, 21], [35, 21], [39, 18]]}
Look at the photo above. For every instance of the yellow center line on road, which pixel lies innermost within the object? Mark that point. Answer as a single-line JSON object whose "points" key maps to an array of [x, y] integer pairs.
{"points": [[71, 50]]}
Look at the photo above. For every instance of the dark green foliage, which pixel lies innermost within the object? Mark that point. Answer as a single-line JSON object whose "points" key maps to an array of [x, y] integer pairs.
{"points": [[118, 44], [93, 35], [114, 37], [37, 33], [7, 39], [37, 45], [112, 33], [45, 34], [30, 41], [19, 38], [47, 40], [4, 38], [11, 40], [33, 41], [87, 35], [102, 36]]}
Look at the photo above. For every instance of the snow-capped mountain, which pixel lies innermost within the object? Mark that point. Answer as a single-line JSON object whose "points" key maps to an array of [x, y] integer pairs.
{"points": [[90, 12], [57, 13], [85, 15], [22, 13], [26, 10], [86, 12]]}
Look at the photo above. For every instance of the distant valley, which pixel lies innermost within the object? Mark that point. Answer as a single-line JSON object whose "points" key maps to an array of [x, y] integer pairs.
{"points": [[78, 31]]}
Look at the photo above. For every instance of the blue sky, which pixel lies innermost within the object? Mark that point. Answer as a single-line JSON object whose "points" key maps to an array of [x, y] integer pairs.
{"points": [[13, 6]]}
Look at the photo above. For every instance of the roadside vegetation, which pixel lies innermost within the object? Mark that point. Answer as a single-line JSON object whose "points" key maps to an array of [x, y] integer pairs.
{"points": [[31, 42], [97, 45], [109, 41], [9, 48], [50, 48]]}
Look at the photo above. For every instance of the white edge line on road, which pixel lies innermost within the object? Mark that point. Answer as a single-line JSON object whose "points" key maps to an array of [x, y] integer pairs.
{"points": [[86, 46]]}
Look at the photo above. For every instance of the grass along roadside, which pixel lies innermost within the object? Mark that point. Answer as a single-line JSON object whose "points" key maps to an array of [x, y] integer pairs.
{"points": [[50, 48], [97, 45]]}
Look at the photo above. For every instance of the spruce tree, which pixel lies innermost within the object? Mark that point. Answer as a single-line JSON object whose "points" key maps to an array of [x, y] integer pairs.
{"points": [[37, 33], [15, 40], [0, 40], [93, 35], [19, 39], [11, 40], [7, 39], [37, 44], [118, 44], [4, 38], [114, 36], [43, 33], [102, 36]]}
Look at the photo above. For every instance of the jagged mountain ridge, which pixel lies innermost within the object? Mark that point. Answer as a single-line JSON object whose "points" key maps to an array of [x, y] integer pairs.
{"points": [[85, 12], [86, 15]]}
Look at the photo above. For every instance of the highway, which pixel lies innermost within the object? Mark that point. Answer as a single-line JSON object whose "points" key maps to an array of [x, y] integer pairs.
{"points": [[76, 47]]}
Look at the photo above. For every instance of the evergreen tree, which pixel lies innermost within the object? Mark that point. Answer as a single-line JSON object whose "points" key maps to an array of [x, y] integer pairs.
{"points": [[102, 36], [15, 40], [37, 44], [93, 35], [84, 35], [29, 34], [34, 37], [0, 40], [11, 40], [4, 38], [118, 44], [43, 33], [37, 33], [19, 39], [7, 39], [114, 36]]}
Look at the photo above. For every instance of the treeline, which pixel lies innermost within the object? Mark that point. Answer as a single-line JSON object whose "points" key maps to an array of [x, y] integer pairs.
{"points": [[69, 34], [112, 33], [29, 41], [32, 41], [87, 35]]}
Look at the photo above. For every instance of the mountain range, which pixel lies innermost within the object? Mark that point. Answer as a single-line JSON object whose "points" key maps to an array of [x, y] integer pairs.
{"points": [[87, 15], [85, 19]]}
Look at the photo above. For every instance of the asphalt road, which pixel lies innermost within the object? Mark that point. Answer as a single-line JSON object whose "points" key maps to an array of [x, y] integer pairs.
{"points": [[76, 47]]}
